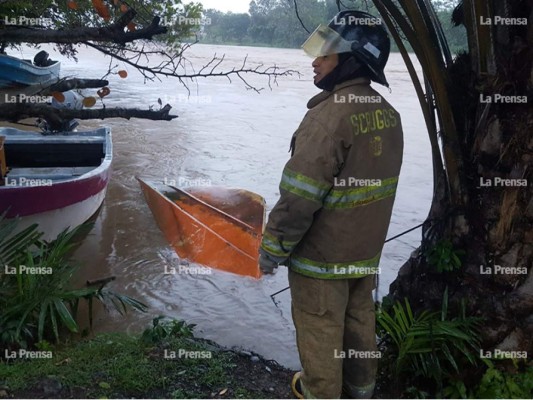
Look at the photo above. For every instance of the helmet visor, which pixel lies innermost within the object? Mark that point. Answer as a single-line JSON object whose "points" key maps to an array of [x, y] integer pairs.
{"points": [[324, 41]]}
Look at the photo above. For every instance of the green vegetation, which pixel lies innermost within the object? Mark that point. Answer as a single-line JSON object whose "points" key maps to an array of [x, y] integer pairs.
{"points": [[275, 22], [122, 366], [165, 361], [444, 257], [428, 347], [429, 355], [161, 330], [268, 22], [36, 297], [501, 384], [499, 380]]}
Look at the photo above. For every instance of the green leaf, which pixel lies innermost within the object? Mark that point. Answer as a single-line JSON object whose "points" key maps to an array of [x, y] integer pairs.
{"points": [[44, 305], [65, 316], [42, 318], [54, 324]]}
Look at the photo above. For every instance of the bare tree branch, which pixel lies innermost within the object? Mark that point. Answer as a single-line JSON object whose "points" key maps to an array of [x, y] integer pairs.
{"points": [[71, 84], [170, 67], [116, 41], [299, 18], [56, 117]]}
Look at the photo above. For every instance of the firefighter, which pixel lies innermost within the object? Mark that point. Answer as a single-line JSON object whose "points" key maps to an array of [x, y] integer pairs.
{"points": [[336, 197]]}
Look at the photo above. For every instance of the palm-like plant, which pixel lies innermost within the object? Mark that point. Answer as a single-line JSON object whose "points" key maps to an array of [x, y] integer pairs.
{"points": [[428, 344], [36, 306]]}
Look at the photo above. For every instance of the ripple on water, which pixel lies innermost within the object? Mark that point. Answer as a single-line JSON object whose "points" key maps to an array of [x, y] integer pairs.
{"points": [[239, 139]]}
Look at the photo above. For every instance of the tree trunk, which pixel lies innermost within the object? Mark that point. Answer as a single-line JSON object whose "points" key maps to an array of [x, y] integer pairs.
{"points": [[497, 145]]}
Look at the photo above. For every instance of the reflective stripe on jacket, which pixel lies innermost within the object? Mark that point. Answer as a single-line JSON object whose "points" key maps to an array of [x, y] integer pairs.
{"points": [[338, 188]]}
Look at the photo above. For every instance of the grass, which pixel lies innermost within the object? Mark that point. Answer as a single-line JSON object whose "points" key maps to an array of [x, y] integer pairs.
{"points": [[37, 308], [118, 366]]}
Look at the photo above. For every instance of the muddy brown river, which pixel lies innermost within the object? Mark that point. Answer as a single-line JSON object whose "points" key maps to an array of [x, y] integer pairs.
{"points": [[225, 135]]}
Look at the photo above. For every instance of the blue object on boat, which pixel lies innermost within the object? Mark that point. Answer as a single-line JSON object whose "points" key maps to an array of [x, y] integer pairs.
{"points": [[16, 72]]}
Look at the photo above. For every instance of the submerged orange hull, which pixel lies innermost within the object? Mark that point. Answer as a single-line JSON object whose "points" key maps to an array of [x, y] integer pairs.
{"points": [[214, 226]]}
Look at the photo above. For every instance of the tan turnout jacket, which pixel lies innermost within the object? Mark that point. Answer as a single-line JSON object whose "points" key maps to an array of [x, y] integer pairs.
{"points": [[338, 188]]}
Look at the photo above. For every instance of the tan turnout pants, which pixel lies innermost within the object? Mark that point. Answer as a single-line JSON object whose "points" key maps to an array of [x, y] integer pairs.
{"points": [[335, 334]]}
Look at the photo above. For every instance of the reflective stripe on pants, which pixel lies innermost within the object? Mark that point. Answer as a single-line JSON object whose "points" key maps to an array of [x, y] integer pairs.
{"points": [[335, 327]]}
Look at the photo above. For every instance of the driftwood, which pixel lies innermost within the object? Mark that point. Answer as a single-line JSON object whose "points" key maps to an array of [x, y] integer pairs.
{"points": [[56, 117]]}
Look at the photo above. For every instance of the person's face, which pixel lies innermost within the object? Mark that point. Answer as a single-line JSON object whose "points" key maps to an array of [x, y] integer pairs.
{"points": [[324, 65]]}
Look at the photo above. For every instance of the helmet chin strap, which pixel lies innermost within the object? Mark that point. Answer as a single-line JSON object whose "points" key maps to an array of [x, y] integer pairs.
{"points": [[347, 68]]}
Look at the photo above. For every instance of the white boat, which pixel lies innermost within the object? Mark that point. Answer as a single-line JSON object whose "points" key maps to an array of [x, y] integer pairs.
{"points": [[57, 181]]}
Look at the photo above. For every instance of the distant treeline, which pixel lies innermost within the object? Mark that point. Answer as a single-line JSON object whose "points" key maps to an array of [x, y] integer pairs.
{"points": [[275, 22]]}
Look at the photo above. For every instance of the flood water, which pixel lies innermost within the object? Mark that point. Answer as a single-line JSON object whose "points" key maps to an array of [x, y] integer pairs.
{"points": [[225, 135]]}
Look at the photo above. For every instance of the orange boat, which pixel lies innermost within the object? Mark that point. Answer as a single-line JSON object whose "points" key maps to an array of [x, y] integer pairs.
{"points": [[215, 226]]}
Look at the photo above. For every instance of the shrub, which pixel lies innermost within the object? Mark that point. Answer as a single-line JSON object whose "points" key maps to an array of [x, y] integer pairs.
{"points": [[429, 345], [39, 306]]}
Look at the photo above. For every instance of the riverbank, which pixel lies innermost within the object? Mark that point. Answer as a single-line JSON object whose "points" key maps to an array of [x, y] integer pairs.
{"points": [[123, 366], [119, 365]]}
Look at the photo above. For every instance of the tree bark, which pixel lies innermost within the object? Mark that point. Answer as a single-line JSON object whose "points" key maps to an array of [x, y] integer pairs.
{"points": [[56, 117], [114, 33], [495, 278], [71, 84]]}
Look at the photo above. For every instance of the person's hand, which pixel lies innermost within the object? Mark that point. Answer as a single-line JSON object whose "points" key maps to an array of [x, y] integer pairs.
{"points": [[267, 265]]}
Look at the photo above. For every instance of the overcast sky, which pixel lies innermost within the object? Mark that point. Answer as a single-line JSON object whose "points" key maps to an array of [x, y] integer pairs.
{"points": [[236, 6]]}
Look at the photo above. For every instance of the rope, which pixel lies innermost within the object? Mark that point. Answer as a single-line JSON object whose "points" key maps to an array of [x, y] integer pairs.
{"points": [[377, 276], [404, 233]]}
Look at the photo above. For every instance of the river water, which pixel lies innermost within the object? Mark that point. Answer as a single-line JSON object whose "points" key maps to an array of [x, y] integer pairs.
{"points": [[225, 135]]}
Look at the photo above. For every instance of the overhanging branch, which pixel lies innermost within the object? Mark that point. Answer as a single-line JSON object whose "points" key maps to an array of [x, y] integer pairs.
{"points": [[56, 117], [114, 33], [171, 67], [71, 84]]}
